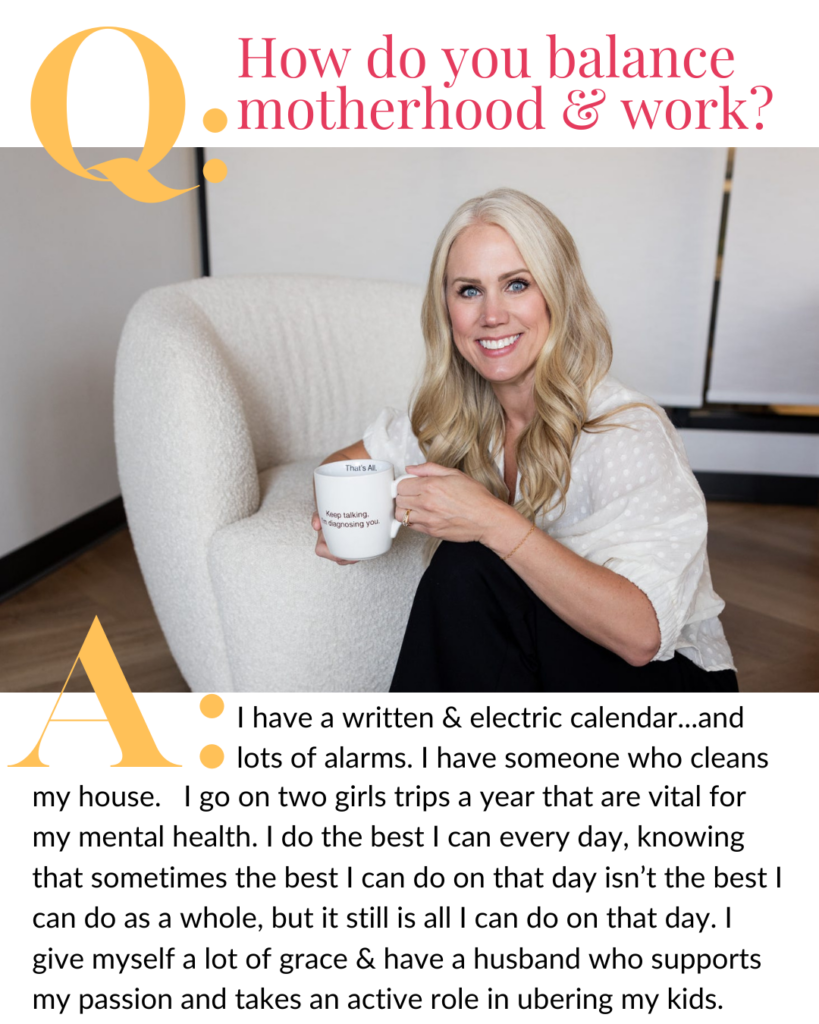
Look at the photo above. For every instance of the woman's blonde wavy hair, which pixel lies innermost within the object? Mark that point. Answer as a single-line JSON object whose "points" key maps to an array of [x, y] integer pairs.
{"points": [[456, 417]]}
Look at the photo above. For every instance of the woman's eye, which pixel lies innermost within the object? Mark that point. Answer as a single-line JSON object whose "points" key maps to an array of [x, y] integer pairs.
{"points": [[518, 285], [468, 291]]}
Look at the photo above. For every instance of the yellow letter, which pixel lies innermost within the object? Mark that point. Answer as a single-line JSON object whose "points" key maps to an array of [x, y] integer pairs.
{"points": [[166, 112], [121, 710]]}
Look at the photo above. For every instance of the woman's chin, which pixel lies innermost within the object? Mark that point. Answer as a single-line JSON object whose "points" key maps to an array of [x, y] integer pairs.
{"points": [[498, 371]]}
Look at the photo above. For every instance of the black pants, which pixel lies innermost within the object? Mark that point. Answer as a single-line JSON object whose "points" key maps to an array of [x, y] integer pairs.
{"points": [[475, 626]]}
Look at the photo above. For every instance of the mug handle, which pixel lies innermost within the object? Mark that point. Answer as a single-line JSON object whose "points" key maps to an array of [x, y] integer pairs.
{"points": [[396, 523]]}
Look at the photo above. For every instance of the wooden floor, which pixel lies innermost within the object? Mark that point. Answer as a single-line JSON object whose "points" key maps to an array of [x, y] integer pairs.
{"points": [[764, 561], [42, 628], [765, 565]]}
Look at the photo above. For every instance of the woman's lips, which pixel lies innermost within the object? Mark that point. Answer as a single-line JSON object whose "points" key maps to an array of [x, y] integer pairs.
{"points": [[495, 347]]}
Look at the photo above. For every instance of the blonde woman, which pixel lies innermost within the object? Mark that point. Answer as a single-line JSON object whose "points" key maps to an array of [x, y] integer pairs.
{"points": [[569, 531]]}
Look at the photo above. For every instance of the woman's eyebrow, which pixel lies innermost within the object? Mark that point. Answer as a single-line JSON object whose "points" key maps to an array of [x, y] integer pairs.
{"points": [[503, 277]]}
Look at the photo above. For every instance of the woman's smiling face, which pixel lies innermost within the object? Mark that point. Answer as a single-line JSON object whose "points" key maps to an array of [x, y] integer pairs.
{"points": [[500, 321]]}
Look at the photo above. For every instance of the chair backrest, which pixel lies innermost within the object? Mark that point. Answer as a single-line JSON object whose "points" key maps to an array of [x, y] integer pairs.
{"points": [[313, 358]]}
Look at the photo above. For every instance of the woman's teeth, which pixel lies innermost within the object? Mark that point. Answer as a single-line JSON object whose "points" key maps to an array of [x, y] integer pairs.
{"points": [[496, 343]]}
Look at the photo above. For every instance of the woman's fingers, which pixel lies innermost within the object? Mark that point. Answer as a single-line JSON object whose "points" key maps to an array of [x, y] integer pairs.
{"points": [[324, 552], [321, 544], [416, 491], [430, 469], [410, 488], [411, 503], [418, 518]]}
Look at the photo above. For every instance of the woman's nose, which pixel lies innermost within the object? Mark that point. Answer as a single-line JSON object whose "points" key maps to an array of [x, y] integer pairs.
{"points": [[494, 311]]}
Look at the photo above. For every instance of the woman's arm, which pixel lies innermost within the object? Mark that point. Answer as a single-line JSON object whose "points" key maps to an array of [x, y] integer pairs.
{"points": [[352, 451], [597, 602]]}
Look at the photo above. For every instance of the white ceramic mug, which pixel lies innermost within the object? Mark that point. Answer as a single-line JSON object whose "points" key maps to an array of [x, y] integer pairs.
{"points": [[356, 505]]}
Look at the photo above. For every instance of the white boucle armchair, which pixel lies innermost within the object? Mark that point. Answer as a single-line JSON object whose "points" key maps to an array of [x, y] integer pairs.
{"points": [[228, 392]]}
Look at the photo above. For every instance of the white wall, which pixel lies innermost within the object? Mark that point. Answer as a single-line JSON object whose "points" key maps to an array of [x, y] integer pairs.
{"points": [[766, 348], [646, 222], [74, 256]]}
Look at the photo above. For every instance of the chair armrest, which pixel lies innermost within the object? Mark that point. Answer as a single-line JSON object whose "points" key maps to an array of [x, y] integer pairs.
{"points": [[186, 468]]}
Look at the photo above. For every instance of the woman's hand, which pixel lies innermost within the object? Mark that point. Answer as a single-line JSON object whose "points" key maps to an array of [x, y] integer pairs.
{"points": [[448, 504], [321, 544]]}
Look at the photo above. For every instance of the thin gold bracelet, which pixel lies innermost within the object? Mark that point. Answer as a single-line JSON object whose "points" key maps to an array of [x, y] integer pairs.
{"points": [[529, 533]]}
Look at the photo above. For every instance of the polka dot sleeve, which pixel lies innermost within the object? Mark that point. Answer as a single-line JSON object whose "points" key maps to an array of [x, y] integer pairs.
{"points": [[391, 439], [649, 521]]}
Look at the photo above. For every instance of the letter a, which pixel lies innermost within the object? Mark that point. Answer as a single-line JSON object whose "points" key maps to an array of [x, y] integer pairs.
{"points": [[121, 710]]}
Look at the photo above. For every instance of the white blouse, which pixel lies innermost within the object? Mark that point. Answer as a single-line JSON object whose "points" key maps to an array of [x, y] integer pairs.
{"points": [[633, 505]]}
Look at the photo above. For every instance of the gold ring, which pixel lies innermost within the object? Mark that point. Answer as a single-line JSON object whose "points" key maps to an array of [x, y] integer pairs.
{"points": [[406, 521]]}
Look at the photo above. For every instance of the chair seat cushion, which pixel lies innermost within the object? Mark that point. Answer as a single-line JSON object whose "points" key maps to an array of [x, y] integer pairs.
{"points": [[323, 626]]}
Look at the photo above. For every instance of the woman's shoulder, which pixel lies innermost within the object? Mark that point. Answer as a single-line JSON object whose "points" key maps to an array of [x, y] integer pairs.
{"points": [[390, 418], [612, 394], [390, 437], [616, 405], [630, 424], [633, 418]]}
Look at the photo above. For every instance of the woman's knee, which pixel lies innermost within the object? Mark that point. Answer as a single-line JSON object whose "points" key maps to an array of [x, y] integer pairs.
{"points": [[470, 568], [461, 560]]}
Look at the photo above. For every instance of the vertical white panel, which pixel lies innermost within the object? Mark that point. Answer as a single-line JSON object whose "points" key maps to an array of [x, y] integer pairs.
{"points": [[752, 451], [646, 223], [74, 256], [766, 347]]}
